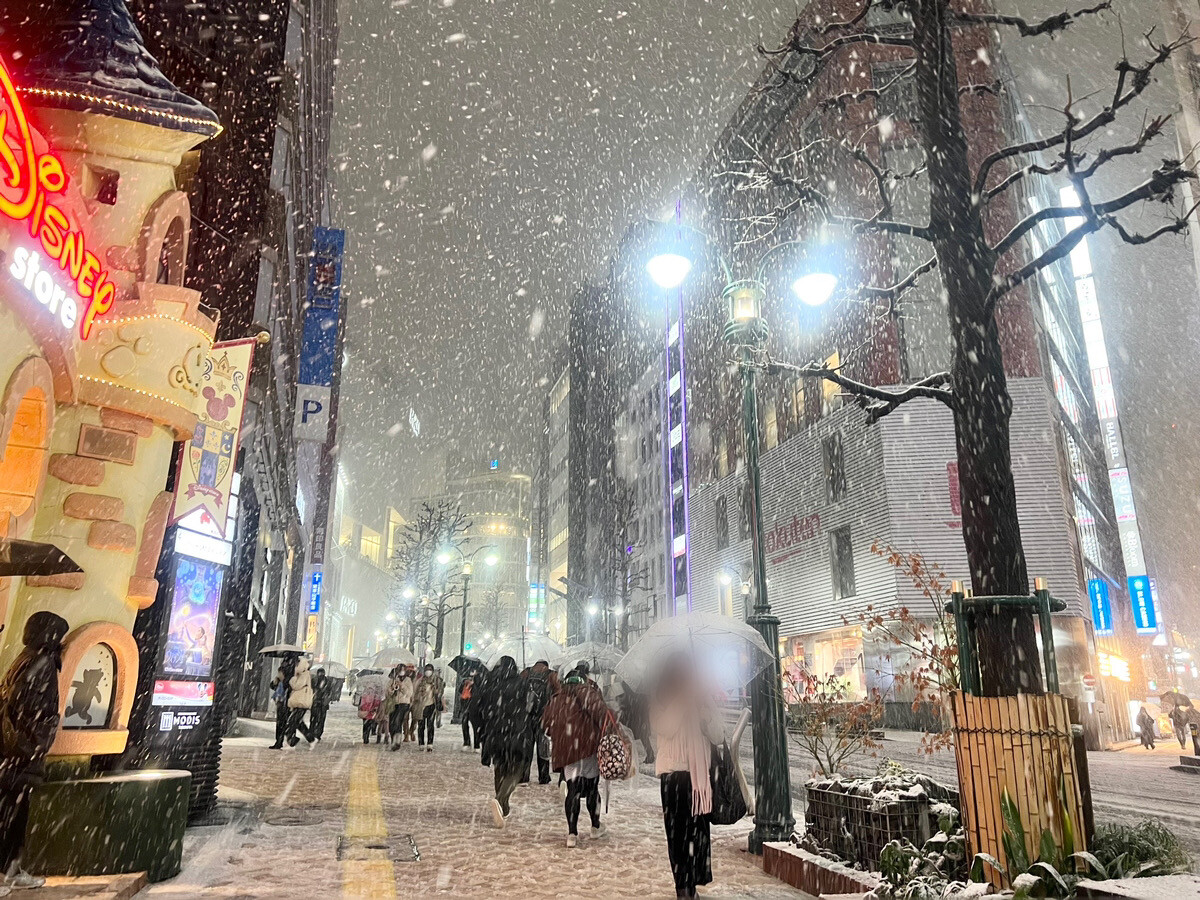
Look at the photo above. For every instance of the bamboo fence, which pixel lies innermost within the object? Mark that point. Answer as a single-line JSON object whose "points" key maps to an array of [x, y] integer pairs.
{"points": [[1024, 745]]}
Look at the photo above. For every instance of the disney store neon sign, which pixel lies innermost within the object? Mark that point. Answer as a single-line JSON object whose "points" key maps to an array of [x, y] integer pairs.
{"points": [[29, 184]]}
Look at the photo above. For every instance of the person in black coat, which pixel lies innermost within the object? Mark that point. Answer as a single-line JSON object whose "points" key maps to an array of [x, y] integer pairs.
{"points": [[322, 696], [29, 719], [506, 733], [476, 712], [280, 691], [540, 690]]}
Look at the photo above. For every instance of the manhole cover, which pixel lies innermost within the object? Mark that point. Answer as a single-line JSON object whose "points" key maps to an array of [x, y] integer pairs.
{"points": [[398, 848], [294, 817]]}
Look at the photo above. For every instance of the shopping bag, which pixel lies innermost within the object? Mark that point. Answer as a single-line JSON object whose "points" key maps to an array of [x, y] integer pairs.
{"points": [[614, 754], [728, 804]]}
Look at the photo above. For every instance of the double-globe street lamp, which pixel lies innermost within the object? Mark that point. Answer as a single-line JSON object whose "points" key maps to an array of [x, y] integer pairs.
{"points": [[814, 279], [445, 557]]}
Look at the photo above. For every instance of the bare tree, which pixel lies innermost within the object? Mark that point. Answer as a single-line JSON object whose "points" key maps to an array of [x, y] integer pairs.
{"points": [[979, 240], [623, 571], [434, 528]]}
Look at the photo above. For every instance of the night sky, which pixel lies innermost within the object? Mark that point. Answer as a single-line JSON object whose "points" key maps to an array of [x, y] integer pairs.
{"points": [[486, 157]]}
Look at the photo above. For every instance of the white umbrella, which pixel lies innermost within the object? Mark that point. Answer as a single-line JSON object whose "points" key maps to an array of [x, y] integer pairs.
{"points": [[393, 656], [281, 650], [725, 648], [525, 649], [599, 657], [333, 669]]}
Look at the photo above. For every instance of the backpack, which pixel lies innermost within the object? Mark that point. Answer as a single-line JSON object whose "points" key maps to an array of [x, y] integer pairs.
{"points": [[367, 706], [614, 754]]}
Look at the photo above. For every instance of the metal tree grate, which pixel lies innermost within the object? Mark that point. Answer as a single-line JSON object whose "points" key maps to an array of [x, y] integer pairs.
{"points": [[397, 848]]}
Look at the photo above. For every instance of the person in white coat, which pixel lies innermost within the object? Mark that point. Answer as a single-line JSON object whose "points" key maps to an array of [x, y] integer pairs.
{"points": [[299, 702]]}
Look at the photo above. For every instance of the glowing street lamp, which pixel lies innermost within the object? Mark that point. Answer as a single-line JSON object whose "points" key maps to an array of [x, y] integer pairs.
{"points": [[814, 280]]}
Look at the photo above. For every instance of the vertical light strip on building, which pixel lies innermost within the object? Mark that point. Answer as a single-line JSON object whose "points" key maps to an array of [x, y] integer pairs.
{"points": [[1141, 588]]}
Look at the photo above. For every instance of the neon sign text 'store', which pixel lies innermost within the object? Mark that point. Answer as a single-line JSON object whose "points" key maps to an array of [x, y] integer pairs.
{"points": [[29, 182]]}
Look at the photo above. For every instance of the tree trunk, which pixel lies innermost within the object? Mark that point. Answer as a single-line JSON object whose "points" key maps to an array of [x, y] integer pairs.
{"points": [[439, 634], [1008, 648]]}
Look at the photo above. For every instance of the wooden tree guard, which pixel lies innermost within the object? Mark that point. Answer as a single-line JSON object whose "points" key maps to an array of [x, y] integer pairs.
{"points": [[1024, 745]]}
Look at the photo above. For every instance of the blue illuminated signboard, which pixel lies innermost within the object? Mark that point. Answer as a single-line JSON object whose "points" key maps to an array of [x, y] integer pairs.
{"points": [[1101, 606], [1141, 597], [314, 595], [494, 464]]}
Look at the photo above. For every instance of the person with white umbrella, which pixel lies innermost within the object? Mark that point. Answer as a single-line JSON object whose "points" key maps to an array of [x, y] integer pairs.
{"points": [[685, 726]]}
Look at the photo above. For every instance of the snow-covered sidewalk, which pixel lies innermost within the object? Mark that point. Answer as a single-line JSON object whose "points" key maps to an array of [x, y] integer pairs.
{"points": [[290, 812]]}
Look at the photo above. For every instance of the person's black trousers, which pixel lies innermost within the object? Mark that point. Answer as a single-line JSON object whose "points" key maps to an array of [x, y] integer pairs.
{"points": [[368, 730], [281, 722], [466, 725], [582, 789], [507, 775], [543, 770], [426, 723], [296, 723], [396, 721], [14, 814], [688, 844], [316, 721]]}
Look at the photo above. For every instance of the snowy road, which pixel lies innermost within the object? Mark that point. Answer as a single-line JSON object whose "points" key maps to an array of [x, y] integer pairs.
{"points": [[293, 809]]}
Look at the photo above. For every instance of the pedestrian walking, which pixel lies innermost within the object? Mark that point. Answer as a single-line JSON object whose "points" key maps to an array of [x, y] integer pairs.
{"points": [[401, 693], [683, 722], [427, 701], [464, 699], [371, 689], [322, 697], [1145, 724], [540, 691], [1178, 717], [506, 705], [634, 713], [410, 720], [574, 718], [279, 693], [477, 713], [29, 720], [299, 701]]}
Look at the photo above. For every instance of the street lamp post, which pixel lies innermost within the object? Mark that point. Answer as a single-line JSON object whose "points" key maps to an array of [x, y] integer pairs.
{"points": [[468, 569], [746, 330]]}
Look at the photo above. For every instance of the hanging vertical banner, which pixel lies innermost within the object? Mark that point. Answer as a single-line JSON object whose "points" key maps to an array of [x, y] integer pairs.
{"points": [[206, 468], [319, 368], [1101, 606]]}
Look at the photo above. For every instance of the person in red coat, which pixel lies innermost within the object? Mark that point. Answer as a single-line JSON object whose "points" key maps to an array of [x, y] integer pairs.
{"points": [[575, 718]]}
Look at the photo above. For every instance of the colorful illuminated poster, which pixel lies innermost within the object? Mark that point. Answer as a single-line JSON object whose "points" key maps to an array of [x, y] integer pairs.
{"points": [[209, 458], [192, 632]]}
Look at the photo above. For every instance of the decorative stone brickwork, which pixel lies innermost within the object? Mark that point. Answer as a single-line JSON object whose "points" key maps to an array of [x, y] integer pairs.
{"points": [[142, 591], [123, 421], [77, 469], [94, 506], [72, 582], [112, 536]]}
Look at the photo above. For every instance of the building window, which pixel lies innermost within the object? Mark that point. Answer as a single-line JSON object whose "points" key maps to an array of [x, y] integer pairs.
{"points": [[370, 544], [772, 424], [841, 563], [722, 524], [346, 533], [831, 396], [725, 599], [835, 467]]}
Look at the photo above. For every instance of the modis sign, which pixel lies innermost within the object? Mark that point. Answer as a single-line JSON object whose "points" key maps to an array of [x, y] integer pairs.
{"points": [[30, 182]]}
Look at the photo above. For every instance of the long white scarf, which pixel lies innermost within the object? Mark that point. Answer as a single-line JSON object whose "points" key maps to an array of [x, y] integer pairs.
{"points": [[699, 756]]}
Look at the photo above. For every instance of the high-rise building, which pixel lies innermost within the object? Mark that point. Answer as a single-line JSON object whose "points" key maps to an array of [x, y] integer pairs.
{"points": [[266, 68]]}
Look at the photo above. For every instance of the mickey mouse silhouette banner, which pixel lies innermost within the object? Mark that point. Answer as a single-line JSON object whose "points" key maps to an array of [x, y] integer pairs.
{"points": [[205, 473]]}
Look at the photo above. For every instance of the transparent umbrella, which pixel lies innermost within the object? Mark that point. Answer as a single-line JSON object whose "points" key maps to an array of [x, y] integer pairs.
{"points": [[599, 657], [525, 649], [393, 656], [726, 648]]}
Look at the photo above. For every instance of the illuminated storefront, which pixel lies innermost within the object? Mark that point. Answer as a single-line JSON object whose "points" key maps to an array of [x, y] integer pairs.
{"points": [[102, 357]]}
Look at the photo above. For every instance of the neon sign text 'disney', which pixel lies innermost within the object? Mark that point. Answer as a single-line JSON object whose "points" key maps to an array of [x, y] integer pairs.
{"points": [[29, 182]]}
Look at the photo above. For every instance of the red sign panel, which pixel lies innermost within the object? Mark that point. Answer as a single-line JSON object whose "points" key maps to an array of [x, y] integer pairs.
{"points": [[32, 184]]}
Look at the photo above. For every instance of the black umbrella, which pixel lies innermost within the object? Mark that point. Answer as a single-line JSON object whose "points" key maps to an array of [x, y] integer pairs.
{"points": [[33, 558], [465, 665], [1175, 698]]}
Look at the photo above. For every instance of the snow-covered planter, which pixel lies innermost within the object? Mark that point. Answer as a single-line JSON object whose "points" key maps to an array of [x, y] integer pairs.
{"points": [[856, 818], [814, 874]]}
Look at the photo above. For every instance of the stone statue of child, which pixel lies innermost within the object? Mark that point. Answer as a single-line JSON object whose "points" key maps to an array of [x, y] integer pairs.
{"points": [[29, 718]]}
